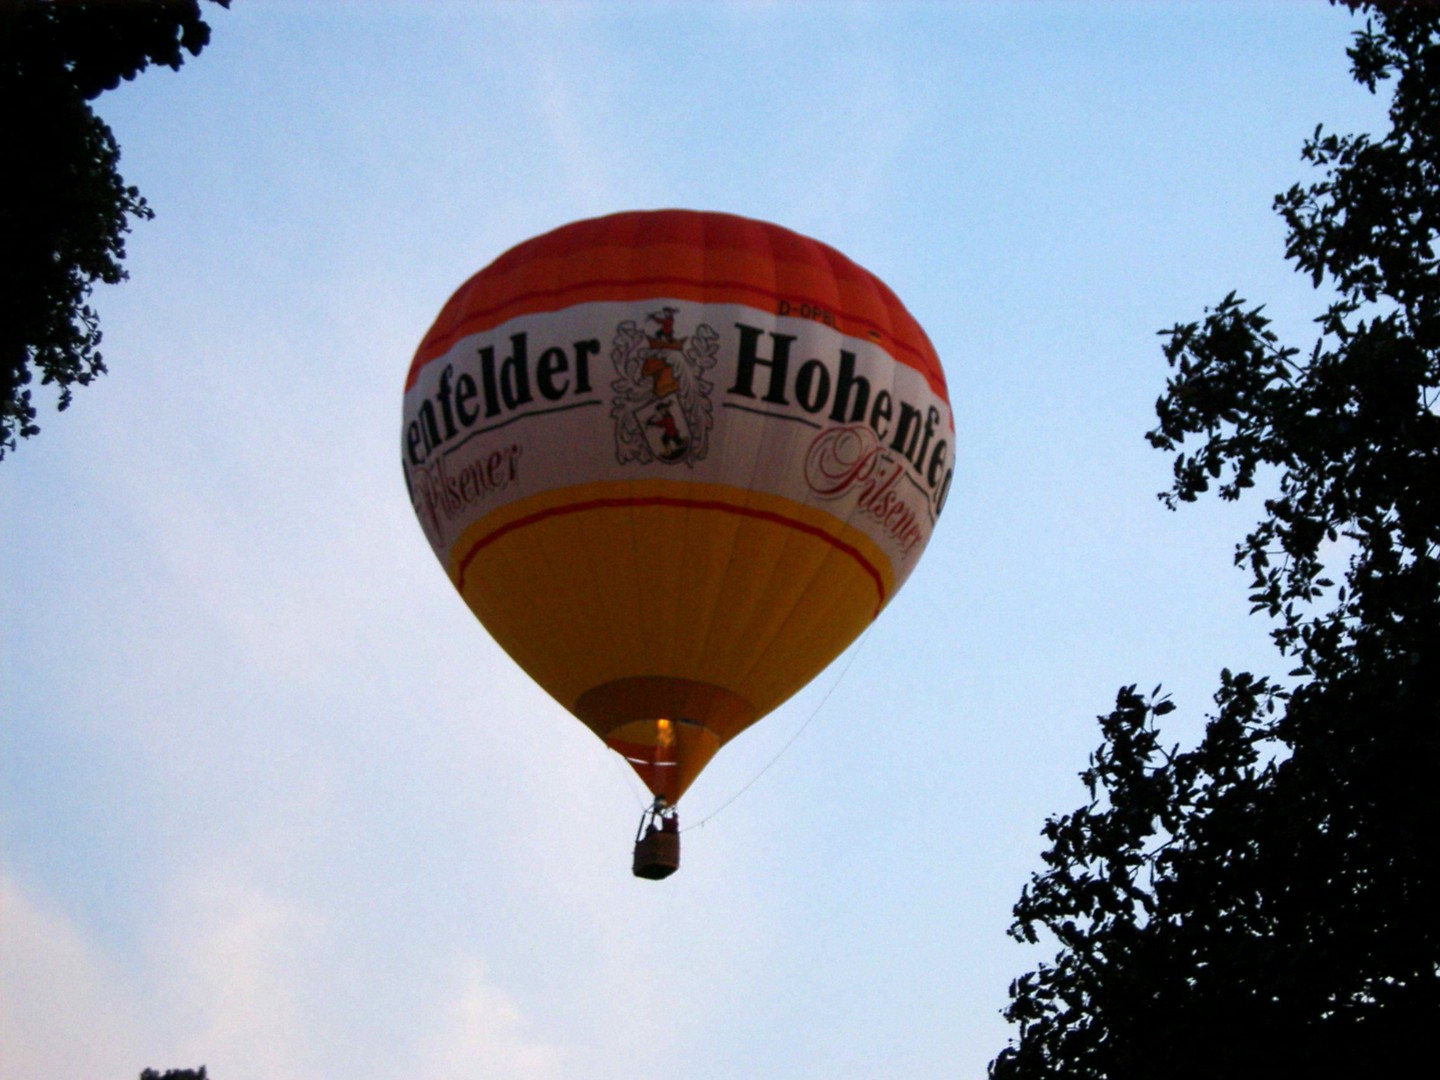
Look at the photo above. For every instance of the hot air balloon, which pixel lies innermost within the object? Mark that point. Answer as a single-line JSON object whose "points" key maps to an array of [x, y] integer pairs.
{"points": [[675, 462]]}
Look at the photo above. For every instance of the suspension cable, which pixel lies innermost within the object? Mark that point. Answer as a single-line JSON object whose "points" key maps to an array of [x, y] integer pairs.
{"points": [[791, 742]]}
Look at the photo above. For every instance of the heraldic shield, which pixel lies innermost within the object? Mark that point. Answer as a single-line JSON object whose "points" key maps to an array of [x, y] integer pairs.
{"points": [[666, 429], [661, 406]]}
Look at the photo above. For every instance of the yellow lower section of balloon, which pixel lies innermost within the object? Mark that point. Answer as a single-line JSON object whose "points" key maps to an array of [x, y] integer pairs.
{"points": [[669, 616]]}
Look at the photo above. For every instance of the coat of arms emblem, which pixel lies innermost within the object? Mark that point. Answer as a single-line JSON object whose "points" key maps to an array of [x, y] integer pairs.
{"points": [[661, 406]]}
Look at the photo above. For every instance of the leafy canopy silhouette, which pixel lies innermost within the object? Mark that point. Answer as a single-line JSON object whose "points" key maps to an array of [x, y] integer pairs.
{"points": [[1264, 903], [65, 208]]}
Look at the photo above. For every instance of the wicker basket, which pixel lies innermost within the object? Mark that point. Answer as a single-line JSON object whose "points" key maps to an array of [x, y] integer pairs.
{"points": [[657, 854]]}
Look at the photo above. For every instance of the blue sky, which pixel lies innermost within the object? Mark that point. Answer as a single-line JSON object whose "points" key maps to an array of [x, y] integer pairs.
{"points": [[271, 800]]}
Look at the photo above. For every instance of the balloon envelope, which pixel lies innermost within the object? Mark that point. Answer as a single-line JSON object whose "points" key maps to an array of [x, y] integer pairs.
{"points": [[675, 462]]}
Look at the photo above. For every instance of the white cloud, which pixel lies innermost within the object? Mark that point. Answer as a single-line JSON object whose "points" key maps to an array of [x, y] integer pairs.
{"points": [[232, 972], [481, 1033], [222, 985], [64, 1013]]}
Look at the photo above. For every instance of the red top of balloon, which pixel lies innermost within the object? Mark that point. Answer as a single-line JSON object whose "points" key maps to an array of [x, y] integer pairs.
{"points": [[693, 255]]}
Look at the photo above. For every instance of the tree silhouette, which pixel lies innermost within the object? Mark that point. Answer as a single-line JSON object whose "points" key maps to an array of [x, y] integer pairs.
{"points": [[1265, 903], [64, 206]]}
